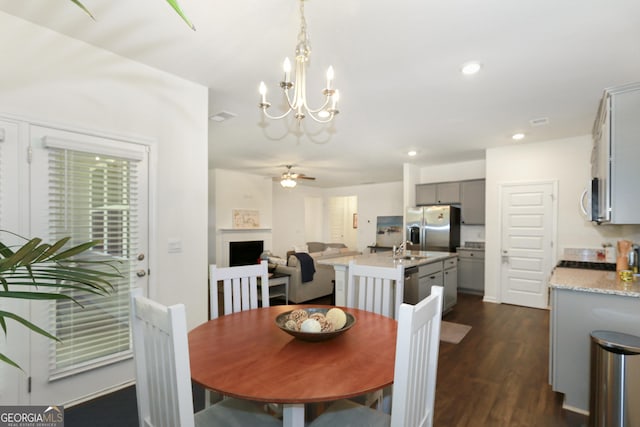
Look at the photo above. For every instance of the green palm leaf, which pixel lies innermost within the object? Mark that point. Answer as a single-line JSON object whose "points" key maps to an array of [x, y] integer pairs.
{"points": [[81, 6], [25, 322], [54, 271], [172, 3], [9, 361]]}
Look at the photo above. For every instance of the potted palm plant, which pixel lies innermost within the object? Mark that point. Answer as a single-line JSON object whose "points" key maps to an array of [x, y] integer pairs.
{"points": [[41, 271]]}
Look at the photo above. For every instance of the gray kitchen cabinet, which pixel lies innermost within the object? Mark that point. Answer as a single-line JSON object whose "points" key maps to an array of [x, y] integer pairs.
{"points": [[450, 282], [442, 193], [471, 271], [574, 315], [428, 275], [615, 156], [426, 194], [472, 201], [437, 273]]}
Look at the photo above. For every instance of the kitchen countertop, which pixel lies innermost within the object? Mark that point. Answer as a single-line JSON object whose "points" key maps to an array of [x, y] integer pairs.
{"points": [[384, 259], [596, 281]]}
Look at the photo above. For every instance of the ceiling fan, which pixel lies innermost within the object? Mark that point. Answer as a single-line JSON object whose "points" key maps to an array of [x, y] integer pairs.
{"points": [[289, 179]]}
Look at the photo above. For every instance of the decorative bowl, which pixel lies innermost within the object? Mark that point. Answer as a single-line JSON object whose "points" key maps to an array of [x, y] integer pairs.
{"points": [[314, 336]]}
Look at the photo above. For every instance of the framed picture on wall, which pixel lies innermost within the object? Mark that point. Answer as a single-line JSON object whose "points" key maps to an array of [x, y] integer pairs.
{"points": [[246, 218]]}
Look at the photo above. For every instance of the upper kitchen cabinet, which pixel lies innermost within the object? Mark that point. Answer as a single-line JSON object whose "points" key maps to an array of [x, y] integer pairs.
{"points": [[472, 202], [469, 195], [615, 172], [442, 193]]}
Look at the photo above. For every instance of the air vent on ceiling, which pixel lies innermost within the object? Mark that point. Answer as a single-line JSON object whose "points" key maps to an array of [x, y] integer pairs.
{"points": [[540, 121], [222, 116]]}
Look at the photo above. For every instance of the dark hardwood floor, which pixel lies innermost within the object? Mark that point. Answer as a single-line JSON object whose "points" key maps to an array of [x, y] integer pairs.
{"points": [[498, 374]]}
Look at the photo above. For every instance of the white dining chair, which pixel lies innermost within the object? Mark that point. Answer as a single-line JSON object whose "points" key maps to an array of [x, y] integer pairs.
{"points": [[240, 292], [240, 287], [376, 289], [414, 378], [163, 375], [380, 290]]}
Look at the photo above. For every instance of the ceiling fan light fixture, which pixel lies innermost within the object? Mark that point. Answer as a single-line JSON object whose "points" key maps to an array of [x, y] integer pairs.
{"points": [[288, 182]]}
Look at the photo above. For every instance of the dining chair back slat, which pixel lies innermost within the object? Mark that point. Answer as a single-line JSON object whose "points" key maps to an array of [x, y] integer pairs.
{"points": [[376, 289], [239, 287], [162, 363], [416, 366]]}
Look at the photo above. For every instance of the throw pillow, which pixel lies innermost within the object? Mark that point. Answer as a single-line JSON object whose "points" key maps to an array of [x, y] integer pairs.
{"points": [[301, 248]]}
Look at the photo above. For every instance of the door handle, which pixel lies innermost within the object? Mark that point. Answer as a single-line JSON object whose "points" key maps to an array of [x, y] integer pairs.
{"points": [[583, 207], [141, 273]]}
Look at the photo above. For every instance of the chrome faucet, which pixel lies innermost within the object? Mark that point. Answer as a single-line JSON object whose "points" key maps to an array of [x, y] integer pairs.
{"points": [[401, 249]]}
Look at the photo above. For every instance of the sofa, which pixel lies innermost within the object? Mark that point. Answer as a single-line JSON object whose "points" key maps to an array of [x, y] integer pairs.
{"points": [[322, 283]]}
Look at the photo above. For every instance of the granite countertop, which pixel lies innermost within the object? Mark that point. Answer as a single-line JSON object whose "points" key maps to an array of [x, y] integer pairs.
{"points": [[597, 281], [384, 259]]}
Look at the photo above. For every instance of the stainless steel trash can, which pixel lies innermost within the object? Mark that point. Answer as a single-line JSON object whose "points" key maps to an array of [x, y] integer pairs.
{"points": [[614, 397]]}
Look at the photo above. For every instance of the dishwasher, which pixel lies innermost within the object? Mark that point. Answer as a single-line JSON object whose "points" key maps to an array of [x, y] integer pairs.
{"points": [[419, 280], [411, 285]]}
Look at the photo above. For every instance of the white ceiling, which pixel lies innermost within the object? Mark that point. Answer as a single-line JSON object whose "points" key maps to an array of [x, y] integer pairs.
{"points": [[397, 67]]}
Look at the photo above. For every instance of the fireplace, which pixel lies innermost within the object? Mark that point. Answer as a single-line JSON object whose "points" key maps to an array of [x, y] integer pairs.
{"points": [[245, 252]]}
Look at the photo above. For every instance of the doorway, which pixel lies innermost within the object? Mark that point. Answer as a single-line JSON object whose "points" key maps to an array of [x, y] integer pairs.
{"points": [[343, 226]]}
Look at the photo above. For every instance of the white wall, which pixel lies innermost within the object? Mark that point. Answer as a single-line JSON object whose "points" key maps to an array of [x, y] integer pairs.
{"points": [[568, 162], [290, 215], [49, 77], [460, 171]]}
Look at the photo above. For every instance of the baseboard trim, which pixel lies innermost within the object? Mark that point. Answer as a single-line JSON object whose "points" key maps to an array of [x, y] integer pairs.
{"points": [[574, 409]]}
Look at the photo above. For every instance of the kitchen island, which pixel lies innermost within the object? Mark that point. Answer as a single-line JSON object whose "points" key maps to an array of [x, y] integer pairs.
{"points": [[583, 301], [434, 265]]}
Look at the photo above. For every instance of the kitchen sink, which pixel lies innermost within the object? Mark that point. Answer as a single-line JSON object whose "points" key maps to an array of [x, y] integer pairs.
{"points": [[409, 257]]}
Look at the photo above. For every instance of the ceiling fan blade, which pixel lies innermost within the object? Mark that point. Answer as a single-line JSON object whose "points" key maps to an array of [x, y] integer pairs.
{"points": [[302, 176]]}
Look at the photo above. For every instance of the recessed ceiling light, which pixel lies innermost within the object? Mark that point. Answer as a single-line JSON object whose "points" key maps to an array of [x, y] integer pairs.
{"points": [[470, 68], [412, 153], [518, 136]]}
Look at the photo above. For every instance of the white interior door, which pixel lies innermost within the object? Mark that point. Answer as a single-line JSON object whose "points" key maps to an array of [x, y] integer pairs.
{"points": [[13, 345], [528, 232], [342, 211], [88, 187]]}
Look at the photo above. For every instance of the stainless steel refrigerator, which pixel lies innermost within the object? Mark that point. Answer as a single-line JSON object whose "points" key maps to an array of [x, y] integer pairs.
{"points": [[433, 228]]}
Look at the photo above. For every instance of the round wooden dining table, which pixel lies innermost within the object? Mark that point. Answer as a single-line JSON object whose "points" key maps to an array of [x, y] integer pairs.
{"points": [[247, 356]]}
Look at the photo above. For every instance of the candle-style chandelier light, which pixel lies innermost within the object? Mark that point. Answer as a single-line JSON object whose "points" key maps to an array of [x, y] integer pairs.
{"points": [[298, 103]]}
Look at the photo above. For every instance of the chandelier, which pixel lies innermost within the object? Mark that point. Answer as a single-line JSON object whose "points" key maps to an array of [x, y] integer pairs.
{"points": [[298, 103]]}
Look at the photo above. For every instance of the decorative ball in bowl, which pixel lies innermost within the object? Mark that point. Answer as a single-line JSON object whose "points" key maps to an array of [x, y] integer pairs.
{"points": [[315, 324]]}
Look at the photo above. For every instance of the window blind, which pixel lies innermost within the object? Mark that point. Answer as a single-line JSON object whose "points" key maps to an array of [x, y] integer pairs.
{"points": [[93, 196]]}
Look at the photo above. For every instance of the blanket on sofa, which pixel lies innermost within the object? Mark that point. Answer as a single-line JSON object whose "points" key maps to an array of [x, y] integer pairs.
{"points": [[307, 269]]}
